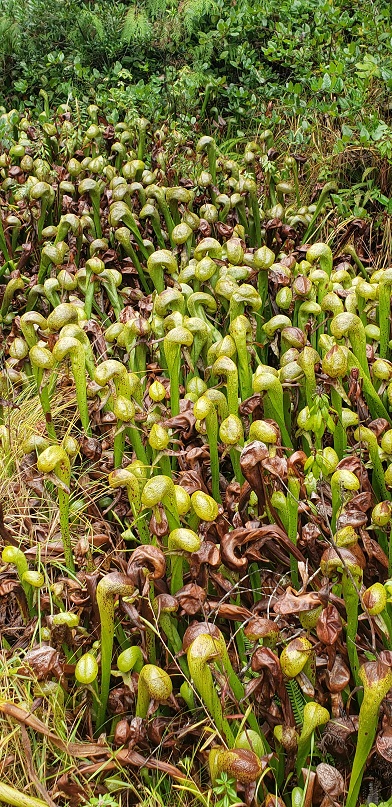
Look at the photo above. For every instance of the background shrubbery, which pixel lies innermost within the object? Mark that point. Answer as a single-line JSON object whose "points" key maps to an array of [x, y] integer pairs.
{"points": [[241, 63]]}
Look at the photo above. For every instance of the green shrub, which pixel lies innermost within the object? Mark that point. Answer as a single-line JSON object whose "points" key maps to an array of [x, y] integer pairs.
{"points": [[227, 61]]}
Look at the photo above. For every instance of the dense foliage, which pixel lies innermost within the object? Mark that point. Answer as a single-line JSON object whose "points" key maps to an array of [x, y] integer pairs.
{"points": [[221, 59], [195, 403], [196, 475]]}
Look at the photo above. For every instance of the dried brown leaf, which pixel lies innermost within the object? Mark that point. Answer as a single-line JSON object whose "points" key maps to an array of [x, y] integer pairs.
{"points": [[329, 625]]}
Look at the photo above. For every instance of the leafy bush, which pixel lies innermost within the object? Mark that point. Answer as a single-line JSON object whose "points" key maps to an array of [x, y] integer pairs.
{"points": [[232, 61]]}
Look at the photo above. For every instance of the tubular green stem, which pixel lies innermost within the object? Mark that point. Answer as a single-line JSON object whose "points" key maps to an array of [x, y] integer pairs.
{"points": [[193, 521], [239, 635], [365, 435], [45, 263], [202, 649], [211, 422], [135, 438], [384, 313], [296, 183], [235, 684], [349, 250], [3, 244], [142, 139], [89, 295], [239, 329], [54, 458], [165, 465], [340, 435], [279, 505], [387, 639], [143, 530], [172, 348], [174, 641], [255, 581], [349, 325], [113, 296], [236, 464], [262, 287], [78, 333], [273, 402], [375, 691], [119, 444], [175, 381], [173, 207], [156, 226], [96, 205], [150, 631], [241, 211], [224, 663], [44, 396], [42, 359], [122, 234], [351, 599], [270, 200], [211, 154], [329, 187], [69, 346], [16, 798], [361, 310], [120, 212], [254, 202], [165, 211], [112, 370], [226, 367], [390, 554], [124, 477], [293, 485], [307, 361], [42, 216], [140, 362], [297, 306], [109, 588], [377, 408], [335, 505], [206, 99]]}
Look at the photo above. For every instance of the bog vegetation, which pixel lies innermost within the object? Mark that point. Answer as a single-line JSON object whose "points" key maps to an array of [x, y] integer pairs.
{"points": [[196, 405]]}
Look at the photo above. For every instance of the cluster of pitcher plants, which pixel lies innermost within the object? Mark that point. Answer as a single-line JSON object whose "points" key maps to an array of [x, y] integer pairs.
{"points": [[201, 574]]}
